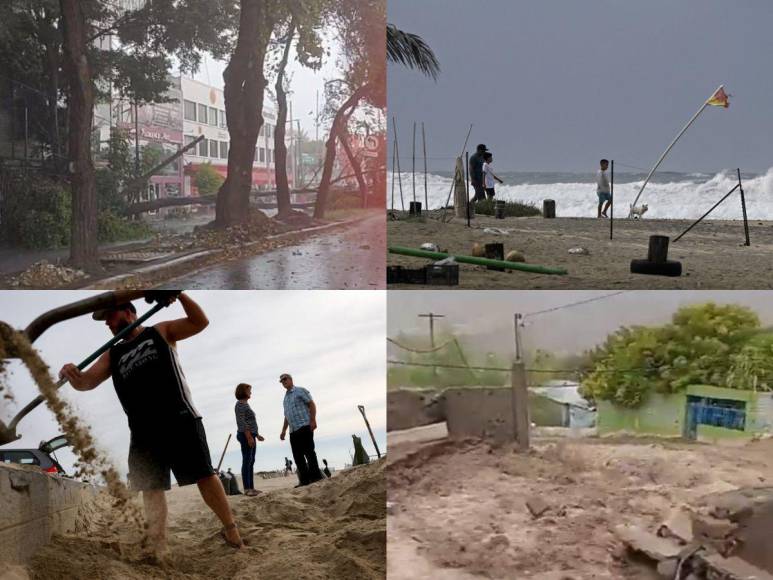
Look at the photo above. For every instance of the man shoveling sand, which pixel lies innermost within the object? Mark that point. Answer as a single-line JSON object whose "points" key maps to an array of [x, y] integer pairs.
{"points": [[166, 430]]}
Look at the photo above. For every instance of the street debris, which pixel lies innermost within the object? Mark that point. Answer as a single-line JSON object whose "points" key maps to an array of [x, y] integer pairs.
{"points": [[44, 274]]}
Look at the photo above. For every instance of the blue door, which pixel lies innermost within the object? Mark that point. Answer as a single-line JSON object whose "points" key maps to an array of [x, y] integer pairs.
{"points": [[724, 413]]}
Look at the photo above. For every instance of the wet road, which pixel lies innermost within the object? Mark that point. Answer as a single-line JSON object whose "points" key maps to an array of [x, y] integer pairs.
{"points": [[351, 258]]}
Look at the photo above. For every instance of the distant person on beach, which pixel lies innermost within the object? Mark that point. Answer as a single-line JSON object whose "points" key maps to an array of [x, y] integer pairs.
{"points": [[326, 469], [488, 175], [288, 467], [247, 435], [301, 417], [602, 189], [166, 429], [476, 173]]}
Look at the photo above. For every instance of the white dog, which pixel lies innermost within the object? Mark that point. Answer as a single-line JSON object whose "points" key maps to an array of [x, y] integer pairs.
{"points": [[639, 211]]}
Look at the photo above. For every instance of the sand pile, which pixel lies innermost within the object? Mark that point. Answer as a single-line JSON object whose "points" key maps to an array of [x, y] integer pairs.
{"points": [[43, 274], [333, 529], [552, 511]]}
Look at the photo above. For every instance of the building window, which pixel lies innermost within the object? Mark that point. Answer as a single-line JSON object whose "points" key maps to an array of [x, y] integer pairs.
{"points": [[213, 116], [213, 149], [203, 114], [222, 119], [224, 150], [262, 157], [189, 139], [203, 148], [190, 110]]}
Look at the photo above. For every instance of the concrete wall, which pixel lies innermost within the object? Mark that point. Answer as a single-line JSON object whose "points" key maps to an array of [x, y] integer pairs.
{"points": [[33, 506], [480, 412]]}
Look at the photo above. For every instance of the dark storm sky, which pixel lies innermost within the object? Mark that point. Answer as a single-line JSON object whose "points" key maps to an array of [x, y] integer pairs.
{"points": [[557, 84]]}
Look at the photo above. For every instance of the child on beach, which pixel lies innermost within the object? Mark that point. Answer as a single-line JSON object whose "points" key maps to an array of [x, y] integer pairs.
{"points": [[602, 189], [488, 175]]}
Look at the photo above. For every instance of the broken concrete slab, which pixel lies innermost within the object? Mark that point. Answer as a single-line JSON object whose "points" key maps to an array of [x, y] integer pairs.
{"points": [[677, 525], [719, 568], [652, 546]]}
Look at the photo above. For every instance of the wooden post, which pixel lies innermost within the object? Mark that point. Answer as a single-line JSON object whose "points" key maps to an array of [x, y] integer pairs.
{"points": [[520, 405], [394, 157], [658, 250], [467, 184], [372, 438], [413, 165], [460, 202], [743, 208], [219, 463], [397, 156], [424, 147]]}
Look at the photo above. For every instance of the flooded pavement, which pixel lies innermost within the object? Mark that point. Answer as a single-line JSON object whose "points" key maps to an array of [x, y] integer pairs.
{"points": [[351, 258]]}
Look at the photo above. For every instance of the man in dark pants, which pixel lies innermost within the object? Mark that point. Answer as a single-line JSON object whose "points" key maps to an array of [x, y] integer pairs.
{"points": [[166, 430], [301, 417], [476, 173]]}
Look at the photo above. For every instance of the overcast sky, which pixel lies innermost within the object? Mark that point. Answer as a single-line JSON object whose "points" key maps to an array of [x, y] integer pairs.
{"points": [[332, 342], [566, 331], [556, 85]]}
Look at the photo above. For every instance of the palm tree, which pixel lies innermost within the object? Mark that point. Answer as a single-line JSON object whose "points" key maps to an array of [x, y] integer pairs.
{"points": [[411, 51]]}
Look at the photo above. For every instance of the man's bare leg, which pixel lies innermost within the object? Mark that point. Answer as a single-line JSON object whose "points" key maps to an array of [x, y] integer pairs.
{"points": [[213, 494], [156, 513]]}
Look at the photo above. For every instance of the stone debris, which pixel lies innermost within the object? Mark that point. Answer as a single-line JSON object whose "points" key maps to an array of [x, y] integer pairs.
{"points": [[579, 251], [677, 525], [537, 506], [44, 274], [640, 540]]}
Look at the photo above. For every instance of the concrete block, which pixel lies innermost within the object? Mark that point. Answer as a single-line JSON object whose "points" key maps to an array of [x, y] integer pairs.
{"points": [[650, 545], [480, 412]]}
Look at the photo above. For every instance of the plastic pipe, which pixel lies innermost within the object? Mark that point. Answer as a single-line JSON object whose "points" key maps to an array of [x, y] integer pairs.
{"points": [[416, 253]]}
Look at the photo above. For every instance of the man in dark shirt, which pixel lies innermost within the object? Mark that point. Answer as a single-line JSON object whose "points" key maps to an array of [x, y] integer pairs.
{"points": [[166, 430], [476, 173]]}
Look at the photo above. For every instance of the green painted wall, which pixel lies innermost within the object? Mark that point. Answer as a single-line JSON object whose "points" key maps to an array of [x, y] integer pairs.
{"points": [[665, 415]]}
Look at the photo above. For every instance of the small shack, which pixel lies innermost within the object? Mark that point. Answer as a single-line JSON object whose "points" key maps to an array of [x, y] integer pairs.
{"points": [[701, 412]]}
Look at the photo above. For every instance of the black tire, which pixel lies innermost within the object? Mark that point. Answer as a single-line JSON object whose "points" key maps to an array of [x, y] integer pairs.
{"points": [[670, 268]]}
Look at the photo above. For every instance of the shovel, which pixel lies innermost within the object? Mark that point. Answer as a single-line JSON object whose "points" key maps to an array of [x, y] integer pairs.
{"points": [[8, 432]]}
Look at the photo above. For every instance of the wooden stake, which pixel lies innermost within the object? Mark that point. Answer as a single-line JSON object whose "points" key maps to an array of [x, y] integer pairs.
{"points": [[424, 147], [219, 463]]}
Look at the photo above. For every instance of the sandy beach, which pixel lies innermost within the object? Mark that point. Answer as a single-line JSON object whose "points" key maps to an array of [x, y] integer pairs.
{"points": [[712, 254], [333, 529], [458, 509]]}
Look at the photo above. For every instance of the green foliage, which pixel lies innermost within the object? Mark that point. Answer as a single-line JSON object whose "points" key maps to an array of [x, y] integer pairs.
{"points": [[115, 228], [37, 215], [705, 344], [208, 180], [512, 208]]}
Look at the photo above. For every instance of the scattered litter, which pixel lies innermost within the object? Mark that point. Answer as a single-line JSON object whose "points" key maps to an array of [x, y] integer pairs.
{"points": [[449, 261], [537, 506], [496, 231], [478, 250], [430, 247], [45, 274], [515, 256], [580, 251]]}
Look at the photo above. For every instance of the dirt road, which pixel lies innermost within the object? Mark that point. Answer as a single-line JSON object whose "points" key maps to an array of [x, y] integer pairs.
{"points": [[459, 509]]}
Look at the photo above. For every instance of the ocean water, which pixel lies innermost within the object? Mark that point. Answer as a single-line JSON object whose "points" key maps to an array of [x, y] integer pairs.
{"points": [[668, 195]]}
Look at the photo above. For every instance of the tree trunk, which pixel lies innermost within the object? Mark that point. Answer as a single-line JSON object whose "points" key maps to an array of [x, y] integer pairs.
{"points": [[80, 111], [330, 149], [280, 149], [49, 27], [355, 163], [244, 89]]}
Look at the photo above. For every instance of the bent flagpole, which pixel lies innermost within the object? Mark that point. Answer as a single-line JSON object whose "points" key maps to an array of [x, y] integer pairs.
{"points": [[717, 98]]}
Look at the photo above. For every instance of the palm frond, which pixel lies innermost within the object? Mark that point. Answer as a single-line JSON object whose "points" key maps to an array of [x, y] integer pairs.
{"points": [[410, 50]]}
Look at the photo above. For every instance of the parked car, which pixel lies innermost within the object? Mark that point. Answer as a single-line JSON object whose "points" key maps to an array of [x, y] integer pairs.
{"points": [[43, 457]]}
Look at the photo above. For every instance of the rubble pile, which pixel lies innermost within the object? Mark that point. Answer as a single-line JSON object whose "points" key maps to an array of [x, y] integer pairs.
{"points": [[44, 274]]}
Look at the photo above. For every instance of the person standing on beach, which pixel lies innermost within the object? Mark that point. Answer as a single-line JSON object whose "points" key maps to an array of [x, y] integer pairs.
{"points": [[301, 417], [476, 173], [488, 175], [288, 467], [166, 429], [602, 189], [326, 469], [247, 435]]}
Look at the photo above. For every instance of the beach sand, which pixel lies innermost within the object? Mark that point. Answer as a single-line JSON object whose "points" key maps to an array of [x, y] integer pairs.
{"points": [[458, 508], [712, 254], [333, 529]]}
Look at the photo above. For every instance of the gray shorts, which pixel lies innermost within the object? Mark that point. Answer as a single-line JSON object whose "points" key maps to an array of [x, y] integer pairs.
{"points": [[604, 196]]}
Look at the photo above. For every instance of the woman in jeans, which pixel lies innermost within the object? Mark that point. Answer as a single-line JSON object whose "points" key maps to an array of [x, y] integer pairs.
{"points": [[247, 435]]}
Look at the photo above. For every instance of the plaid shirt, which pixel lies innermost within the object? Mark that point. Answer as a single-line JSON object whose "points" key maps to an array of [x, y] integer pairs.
{"points": [[296, 406]]}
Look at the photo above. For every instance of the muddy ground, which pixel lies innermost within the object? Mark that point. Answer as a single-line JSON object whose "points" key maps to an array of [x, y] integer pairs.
{"points": [[712, 254], [459, 509]]}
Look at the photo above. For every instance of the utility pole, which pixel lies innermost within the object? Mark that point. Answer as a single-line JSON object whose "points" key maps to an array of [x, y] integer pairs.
{"points": [[432, 316], [316, 120], [372, 438], [517, 317]]}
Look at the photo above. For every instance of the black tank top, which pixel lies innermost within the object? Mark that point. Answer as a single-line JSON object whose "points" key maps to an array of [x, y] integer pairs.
{"points": [[149, 382]]}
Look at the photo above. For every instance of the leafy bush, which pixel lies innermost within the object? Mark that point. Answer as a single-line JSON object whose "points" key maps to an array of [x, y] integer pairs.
{"points": [[512, 208], [37, 213], [114, 228], [706, 344], [208, 180]]}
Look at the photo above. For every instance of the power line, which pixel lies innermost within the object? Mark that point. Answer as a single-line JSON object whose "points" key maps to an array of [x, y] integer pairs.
{"points": [[573, 304]]}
